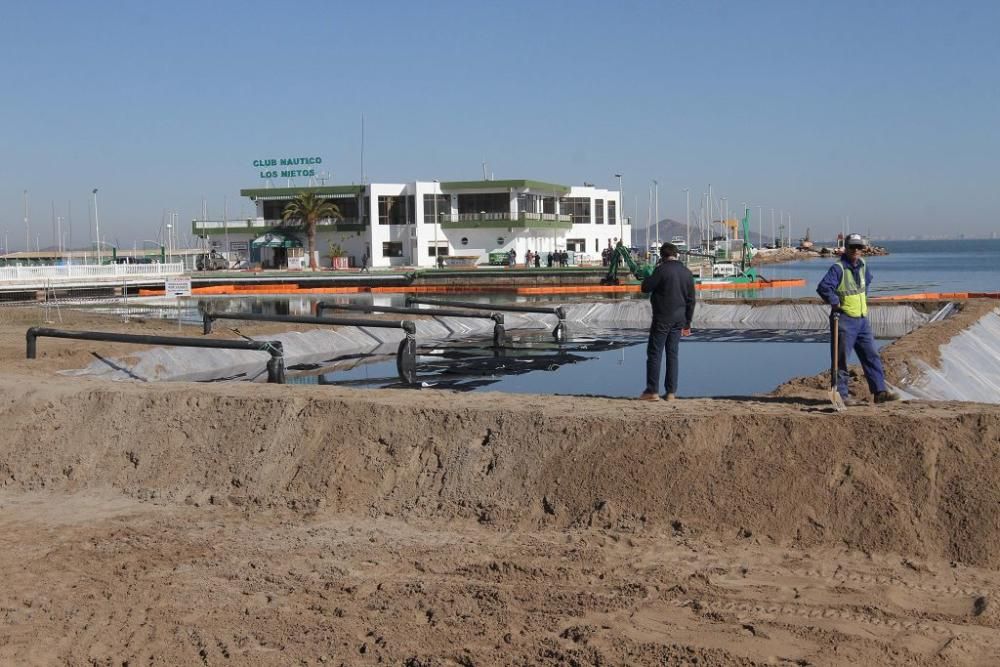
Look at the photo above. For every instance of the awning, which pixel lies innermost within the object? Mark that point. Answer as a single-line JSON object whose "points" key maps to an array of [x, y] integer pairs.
{"points": [[272, 240]]}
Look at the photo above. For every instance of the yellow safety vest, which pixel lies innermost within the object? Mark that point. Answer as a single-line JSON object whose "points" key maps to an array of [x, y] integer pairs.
{"points": [[852, 295]]}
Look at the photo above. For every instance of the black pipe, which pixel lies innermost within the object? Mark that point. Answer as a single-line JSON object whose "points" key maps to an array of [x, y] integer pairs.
{"points": [[559, 332], [508, 307], [406, 360], [275, 366], [409, 365], [443, 312], [499, 334], [406, 325]]}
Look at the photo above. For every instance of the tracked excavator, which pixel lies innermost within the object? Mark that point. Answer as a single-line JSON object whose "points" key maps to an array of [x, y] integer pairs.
{"points": [[621, 255]]}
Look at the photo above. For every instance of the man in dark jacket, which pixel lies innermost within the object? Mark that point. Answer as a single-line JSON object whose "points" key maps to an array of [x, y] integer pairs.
{"points": [[671, 290]]}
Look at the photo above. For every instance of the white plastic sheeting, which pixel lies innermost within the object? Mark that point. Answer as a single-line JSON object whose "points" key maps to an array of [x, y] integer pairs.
{"points": [[887, 321], [309, 347], [320, 345], [970, 366]]}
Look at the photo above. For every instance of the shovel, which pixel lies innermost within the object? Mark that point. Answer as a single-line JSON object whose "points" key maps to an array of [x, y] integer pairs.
{"points": [[835, 397]]}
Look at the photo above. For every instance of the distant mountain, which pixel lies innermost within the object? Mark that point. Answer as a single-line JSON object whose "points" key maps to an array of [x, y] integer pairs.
{"points": [[671, 228]]}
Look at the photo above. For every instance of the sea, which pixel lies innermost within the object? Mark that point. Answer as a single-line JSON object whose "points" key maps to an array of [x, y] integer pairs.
{"points": [[911, 267]]}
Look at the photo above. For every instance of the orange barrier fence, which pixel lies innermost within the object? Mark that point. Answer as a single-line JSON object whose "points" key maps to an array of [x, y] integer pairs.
{"points": [[938, 296], [243, 290], [761, 284], [230, 290]]}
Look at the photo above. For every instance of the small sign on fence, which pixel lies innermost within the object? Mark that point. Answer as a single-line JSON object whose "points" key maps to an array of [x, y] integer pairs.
{"points": [[177, 286]]}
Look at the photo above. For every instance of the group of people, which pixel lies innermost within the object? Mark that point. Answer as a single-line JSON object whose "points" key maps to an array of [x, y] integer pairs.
{"points": [[534, 259], [844, 288], [530, 259]]}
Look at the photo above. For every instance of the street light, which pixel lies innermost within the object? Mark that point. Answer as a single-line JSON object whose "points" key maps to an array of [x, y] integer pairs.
{"points": [[656, 210], [687, 219], [724, 212], [621, 209], [27, 227], [170, 243], [97, 226], [437, 264]]}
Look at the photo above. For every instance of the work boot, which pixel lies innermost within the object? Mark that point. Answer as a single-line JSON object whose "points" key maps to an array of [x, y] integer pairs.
{"points": [[886, 396], [669, 397], [649, 396]]}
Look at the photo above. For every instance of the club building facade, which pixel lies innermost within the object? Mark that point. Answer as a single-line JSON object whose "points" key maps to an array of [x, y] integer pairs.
{"points": [[411, 224]]}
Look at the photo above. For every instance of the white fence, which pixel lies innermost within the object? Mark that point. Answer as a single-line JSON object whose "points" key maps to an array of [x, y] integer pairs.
{"points": [[76, 273]]}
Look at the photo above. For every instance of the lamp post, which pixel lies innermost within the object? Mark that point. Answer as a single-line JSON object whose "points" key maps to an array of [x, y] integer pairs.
{"points": [[27, 227], [621, 209], [437, 223], [724, 206], [687, 218], [97, 227], [656, 210], [170, 243], [760, 224]]}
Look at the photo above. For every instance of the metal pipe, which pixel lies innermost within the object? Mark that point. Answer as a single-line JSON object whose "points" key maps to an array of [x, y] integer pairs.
{"points": [[406, 355], [499, 334], [558, 333], [442, 312], [406, 325], [275, 366], [508, 307]]}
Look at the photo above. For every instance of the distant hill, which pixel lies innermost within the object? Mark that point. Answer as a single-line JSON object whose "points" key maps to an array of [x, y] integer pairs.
{"points": [[671, 228]]}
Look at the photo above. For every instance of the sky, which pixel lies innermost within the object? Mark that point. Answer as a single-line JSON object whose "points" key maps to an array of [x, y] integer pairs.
{"points": [[886, 113]]}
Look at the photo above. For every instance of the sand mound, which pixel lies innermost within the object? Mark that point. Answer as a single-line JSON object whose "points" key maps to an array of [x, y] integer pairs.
{"points": [[918, 480]]}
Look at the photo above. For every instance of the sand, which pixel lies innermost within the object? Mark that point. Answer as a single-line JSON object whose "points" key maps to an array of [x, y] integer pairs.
{"points": [[274, 525]]}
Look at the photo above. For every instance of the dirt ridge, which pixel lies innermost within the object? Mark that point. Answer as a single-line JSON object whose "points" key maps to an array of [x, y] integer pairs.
{"points": [[919, 480]]}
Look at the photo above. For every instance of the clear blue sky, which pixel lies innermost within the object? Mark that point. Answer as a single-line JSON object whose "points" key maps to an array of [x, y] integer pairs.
{"points": [[887, 112]]}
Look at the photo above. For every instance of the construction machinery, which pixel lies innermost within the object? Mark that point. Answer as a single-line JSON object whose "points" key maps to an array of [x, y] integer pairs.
{"points": [[622, 255], [747, 274]]}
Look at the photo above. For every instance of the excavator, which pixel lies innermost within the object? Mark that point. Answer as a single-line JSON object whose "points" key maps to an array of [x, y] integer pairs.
{"points": [[621, 255]]}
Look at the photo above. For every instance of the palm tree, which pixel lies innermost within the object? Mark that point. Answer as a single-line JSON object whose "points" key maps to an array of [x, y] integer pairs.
{"points": [[309, 209]]}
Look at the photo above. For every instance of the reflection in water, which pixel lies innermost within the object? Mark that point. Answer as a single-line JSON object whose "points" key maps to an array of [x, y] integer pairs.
{"points": [[751, 362]]}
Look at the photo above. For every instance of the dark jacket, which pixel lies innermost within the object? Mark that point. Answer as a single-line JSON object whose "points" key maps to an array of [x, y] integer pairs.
{"points": [[671, 290]]}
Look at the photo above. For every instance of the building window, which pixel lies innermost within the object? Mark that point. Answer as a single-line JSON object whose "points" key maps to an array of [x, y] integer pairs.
{"points": [[395, 210], [612, 212], [576, 245], [599, 211], [484, 202], [577, 207], [348, 206], [392, 249], [443, 207], [440, 250]]}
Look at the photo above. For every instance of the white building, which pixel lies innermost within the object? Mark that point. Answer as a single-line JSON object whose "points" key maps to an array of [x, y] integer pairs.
{"points": [[409, 224]]}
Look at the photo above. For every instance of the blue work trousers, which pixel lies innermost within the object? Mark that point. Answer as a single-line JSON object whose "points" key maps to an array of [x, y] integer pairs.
{"points": [[856, 334], [662, 335]]}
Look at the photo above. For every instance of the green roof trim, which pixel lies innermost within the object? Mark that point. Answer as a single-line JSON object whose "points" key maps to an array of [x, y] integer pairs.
{"points": [[538, 186], [254, 193]]}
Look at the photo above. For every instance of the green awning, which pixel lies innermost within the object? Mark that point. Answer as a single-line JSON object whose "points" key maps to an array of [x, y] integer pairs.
{"points": [[272, 240]]}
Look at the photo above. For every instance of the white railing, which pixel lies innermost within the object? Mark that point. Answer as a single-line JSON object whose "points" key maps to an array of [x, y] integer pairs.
{"points": [[31, 274], [253, 224]]}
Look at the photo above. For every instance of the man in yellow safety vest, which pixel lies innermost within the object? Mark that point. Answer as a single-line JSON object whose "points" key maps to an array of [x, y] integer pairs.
{"points": [[845, 288]]}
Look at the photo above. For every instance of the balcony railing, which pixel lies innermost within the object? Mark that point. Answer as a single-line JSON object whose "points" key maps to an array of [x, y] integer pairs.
{"points": [[505, 219], [260, 225]]}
